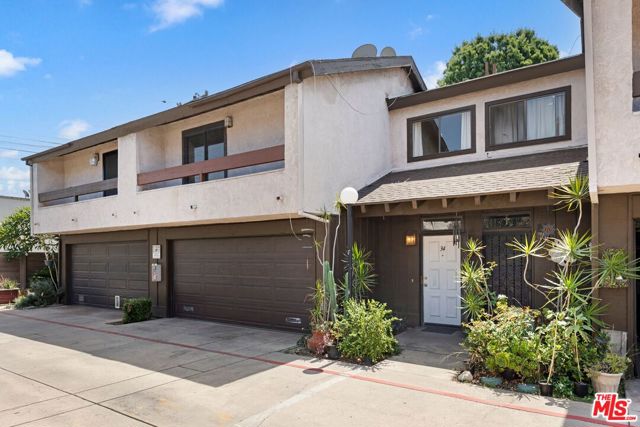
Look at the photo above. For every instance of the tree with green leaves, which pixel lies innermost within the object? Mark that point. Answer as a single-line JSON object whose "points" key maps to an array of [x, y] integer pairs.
{"points": [[17, 240], [504, 51]]}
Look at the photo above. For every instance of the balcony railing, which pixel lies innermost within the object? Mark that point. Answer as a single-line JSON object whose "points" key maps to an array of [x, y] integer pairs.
{"points": [[201, 169], [78, 190]]}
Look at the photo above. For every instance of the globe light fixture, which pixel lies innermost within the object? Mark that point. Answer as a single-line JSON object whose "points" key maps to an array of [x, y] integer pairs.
{"points": [[348, 196]]}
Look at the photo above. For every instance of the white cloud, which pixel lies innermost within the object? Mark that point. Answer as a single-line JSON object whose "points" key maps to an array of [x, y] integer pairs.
{"points": [[11, 65], [434, 73], [430, 17], [415, 32], [172, 12], [72, 129], [14, 173], [9, 154], [84, 3]]}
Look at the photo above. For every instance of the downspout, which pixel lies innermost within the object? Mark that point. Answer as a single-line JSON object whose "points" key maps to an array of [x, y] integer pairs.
{"points": [[590, 102]]}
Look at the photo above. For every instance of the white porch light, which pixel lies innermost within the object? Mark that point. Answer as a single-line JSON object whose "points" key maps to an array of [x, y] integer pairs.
{"points": [[348, 196]]}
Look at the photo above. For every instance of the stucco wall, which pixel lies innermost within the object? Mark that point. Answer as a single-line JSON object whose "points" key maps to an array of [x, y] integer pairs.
{"points": [[346, 132], [617, 128], [399, 117], [261, 196], [635, 25]]}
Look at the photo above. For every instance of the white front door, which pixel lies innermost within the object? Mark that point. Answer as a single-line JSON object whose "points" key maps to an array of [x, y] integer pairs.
{"points": [[440, 280]]}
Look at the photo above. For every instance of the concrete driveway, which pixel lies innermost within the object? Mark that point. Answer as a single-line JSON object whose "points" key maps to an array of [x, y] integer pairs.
{"points": [[66, 366]]}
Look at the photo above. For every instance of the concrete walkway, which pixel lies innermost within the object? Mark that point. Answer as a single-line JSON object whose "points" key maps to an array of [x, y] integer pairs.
{"points": [[65, 366]]}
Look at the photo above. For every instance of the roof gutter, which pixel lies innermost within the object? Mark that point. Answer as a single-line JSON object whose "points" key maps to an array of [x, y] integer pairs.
{"points": [[489, 82]]}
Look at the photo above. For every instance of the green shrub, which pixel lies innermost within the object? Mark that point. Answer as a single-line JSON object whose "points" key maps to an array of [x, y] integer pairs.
{"points": [[508, 340], [365, 330], [136, 310], [611, 364], [41, 293]]}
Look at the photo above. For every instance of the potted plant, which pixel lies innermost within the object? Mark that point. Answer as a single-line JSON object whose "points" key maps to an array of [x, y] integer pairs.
{"points": [[9, 290], [323, 312], [607, 373]]}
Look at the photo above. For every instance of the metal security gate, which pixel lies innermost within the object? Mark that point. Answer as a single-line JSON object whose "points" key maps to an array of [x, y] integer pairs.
{"points": [[507, 278]]}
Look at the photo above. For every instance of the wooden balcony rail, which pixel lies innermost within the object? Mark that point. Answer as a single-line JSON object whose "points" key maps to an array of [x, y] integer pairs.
{"points": [[201, 169], [636, 84], [78, 190]]}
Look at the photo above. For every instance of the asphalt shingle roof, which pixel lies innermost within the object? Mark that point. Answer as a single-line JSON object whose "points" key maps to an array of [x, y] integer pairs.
{"points": [[521, 173]]}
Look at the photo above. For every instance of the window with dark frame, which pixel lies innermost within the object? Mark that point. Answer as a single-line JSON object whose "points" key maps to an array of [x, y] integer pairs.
{"points": [[205, 143], [441, 134], [531, 119]]}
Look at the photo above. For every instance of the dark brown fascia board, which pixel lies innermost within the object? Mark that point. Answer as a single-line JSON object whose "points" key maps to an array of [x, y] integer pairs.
{"points": [[261, 86], [489, 82], [576, 6]]}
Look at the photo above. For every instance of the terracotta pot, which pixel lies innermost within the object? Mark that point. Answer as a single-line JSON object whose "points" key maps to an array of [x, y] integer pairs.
{"points": [[8, 295], [606, 383], [317, 342]]}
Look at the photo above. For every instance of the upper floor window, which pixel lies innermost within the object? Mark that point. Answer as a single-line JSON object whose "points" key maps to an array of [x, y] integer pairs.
{"points": [[205, 143], [530, 119], [441, 134]]}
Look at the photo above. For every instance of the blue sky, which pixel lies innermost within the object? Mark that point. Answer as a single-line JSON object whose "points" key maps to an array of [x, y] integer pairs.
{"points": [[69, 68]]}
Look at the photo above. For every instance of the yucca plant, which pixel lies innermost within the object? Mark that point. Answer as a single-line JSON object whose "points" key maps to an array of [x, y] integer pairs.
{"points": [[364, 277], [614, 270], [477, 299]]}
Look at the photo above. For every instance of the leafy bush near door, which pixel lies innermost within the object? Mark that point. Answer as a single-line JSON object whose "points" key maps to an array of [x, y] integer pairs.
{"points": [[136, 310], [365, 331], [343, 322]]}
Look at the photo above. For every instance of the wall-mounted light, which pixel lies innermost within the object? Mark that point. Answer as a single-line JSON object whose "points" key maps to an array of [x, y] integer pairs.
{"points": [[94, 159], [228, 122], [410, 239]]}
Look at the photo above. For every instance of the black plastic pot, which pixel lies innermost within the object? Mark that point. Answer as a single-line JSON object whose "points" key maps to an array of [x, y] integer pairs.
{"points": [[332, 352], [508, 374], [580, 389], [546, 389], [367, 361]]}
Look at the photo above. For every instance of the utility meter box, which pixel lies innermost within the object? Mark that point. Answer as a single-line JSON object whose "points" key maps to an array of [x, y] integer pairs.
{"points": [[156, 272]]}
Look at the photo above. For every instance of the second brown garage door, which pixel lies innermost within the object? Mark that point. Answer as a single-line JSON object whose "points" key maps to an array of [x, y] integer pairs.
{"points": [[254, 280], [100, 271]]}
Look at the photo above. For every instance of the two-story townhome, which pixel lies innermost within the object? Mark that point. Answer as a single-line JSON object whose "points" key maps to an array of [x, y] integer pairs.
{"points": [[211, 208]]}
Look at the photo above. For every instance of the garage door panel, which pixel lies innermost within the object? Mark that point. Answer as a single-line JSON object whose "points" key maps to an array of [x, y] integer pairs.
{"points": [[100, 271], [254, 280]]}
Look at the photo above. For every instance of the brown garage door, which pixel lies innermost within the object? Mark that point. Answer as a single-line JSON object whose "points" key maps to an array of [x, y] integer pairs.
{"points": [[100, 271], [254, 280]]}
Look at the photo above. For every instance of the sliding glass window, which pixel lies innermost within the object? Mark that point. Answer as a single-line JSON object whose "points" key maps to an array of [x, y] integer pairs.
{"points": [[532, 119], [441, 134]]}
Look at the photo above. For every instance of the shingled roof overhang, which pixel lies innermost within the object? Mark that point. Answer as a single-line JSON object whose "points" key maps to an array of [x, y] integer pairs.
{"points": [[261, 86], [488, 177]]}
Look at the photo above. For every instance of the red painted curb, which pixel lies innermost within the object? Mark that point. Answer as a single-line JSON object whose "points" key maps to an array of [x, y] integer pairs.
{"points": [[357, 377]]}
